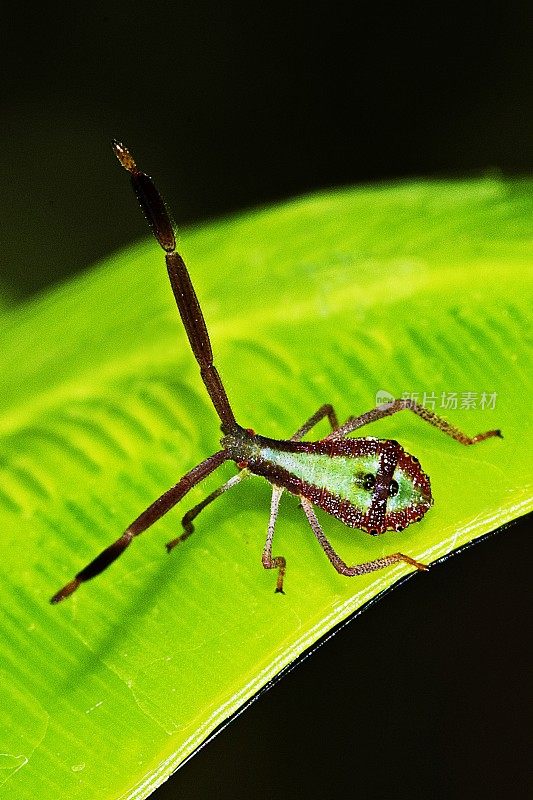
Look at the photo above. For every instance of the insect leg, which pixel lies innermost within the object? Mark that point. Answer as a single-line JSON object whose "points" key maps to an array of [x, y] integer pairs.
{"points": [[155, 211], [336, 560], [188, 527], [424, 413], [278, 562], [326, 410], [144, 521]]}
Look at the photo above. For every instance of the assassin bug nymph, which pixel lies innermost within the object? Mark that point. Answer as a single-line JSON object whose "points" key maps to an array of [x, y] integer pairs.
{"points": [[367, 483]]}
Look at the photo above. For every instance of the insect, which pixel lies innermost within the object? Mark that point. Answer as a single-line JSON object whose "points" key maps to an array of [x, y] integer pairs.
{"points": [[367, 483]]}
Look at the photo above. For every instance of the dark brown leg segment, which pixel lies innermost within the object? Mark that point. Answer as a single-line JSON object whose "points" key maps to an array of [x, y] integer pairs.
{"points": [[353, 423], [336, 560], [191, 314], [188, 528], [144, 521], [326, 410]]}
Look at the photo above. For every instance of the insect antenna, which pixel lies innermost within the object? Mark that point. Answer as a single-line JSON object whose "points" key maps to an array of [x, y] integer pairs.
{"points": [[191, 314]]}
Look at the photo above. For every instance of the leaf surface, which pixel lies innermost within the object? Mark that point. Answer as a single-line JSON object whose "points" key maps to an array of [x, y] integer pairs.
{"points": [[419, 288]]}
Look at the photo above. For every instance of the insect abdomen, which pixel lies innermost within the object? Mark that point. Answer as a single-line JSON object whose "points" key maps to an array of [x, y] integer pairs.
{"points": [[366, 483]]}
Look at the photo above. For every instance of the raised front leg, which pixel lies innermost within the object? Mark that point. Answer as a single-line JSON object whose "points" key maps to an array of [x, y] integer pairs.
{"points": [[353, 423], [357, 569]]}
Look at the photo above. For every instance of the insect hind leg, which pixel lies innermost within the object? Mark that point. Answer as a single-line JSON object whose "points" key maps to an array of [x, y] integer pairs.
{"points": [[353, 423], [357, 569]]}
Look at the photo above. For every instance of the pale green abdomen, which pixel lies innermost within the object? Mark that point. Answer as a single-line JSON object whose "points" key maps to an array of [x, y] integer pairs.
{"points": [[343, 476]]}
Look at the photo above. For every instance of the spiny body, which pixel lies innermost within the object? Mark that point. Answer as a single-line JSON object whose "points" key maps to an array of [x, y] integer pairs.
{"points": [[367, 483], [370, 484]]}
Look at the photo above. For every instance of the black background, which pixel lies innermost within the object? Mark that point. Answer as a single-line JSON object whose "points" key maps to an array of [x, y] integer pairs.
{"points": [[233, 105]]}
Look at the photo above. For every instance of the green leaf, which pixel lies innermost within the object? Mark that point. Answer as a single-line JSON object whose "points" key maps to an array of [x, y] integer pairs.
{"points": [[420, 287]]}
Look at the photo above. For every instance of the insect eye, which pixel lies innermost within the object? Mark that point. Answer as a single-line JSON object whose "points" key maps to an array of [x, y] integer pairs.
{"points": [[393, 488], [368, 481]]}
